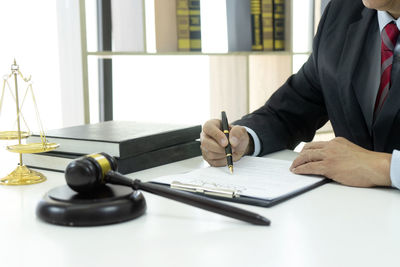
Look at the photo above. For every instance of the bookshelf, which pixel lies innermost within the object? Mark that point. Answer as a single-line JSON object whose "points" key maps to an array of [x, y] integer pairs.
{"points": [[239, 82]]}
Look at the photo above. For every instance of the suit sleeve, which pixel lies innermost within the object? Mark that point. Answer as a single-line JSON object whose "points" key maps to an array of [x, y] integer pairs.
{"points": [[295, 111]]}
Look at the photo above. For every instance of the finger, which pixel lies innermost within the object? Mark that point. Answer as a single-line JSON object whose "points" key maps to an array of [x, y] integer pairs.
{"points": [[341, 140], [212, 155], [236, 157], [217, 162], [237, 153], [212, 129], [313, 168], [315, 145], [307, 156], [209, 144]]}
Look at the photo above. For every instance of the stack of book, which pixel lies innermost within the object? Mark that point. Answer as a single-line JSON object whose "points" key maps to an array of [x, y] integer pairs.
{"points": [[177, 25], [181, 25], [136, 146], [189, 25], [268, 24]]}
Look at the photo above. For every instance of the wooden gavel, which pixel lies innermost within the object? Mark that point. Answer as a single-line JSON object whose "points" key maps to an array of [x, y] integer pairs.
{"points": [[91, 172]]}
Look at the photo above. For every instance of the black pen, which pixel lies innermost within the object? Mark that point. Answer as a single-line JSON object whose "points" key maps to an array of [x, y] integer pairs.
{"points": [[228, 149]]}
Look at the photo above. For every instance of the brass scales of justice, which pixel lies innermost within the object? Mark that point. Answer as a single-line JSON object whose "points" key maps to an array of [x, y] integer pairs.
{"points": [[22, 175]]}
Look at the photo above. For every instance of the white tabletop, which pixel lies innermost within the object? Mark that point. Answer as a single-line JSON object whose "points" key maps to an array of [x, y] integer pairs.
{"points": [[332, 225]]}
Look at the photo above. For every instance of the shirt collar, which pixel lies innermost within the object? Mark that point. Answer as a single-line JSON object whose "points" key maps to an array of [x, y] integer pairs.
{"points": [[384, 18]]}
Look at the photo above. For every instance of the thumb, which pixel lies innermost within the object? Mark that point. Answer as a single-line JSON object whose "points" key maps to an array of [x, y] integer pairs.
{"points": [[237, 135]]}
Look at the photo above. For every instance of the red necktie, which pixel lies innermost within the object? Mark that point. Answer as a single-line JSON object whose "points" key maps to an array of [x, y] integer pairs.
{"points": [[389, 38]]}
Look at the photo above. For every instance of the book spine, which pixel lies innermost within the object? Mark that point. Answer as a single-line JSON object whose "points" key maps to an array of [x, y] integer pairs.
{"points": [[279, 24], [159, 157], [267, 9], [195, 25], [159, 141], [256, 23], [182, 21], [58, 161]]}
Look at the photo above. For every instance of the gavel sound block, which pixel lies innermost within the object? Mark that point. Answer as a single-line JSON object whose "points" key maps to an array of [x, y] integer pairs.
{"points": [[107, 205], [96, 204]]}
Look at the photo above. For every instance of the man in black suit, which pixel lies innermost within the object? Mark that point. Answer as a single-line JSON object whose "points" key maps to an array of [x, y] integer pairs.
{"points": [[352, 79]]}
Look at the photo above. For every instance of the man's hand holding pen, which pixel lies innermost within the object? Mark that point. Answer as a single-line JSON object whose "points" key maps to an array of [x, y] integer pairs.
{"points": [[214, 141]]}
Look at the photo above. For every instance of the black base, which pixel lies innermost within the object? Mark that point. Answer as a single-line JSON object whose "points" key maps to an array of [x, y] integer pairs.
{"points": [[110, 204]]}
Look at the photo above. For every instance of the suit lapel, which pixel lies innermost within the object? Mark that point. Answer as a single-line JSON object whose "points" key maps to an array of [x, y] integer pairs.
{"points": [[366, 85], [349, 59]]}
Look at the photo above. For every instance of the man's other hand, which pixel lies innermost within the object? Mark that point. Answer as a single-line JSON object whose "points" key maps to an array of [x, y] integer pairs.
{"points": [[344, 162]]}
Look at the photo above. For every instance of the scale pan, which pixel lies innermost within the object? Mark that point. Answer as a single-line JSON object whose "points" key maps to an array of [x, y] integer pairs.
{"points": [[12, 135], [32, 147]]}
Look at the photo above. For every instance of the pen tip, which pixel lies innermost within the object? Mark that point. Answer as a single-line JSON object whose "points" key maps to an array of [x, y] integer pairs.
{"points": [[231, 169]]}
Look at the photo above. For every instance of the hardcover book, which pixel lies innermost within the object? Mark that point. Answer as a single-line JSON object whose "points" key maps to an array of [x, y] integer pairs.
{"points": [[267, 9], [119, 138], [279, 24], [194, 25], [182, 22], [58, 161], [256, 23]]}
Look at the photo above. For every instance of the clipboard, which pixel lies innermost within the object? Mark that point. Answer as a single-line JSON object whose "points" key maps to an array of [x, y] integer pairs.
{"points": [[232, 196], [295, 184]]}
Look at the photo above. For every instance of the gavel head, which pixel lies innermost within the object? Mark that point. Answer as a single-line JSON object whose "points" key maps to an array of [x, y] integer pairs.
{"points": [[85, 174]]}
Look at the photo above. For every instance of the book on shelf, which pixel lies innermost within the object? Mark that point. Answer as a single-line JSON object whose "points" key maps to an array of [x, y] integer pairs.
{"points": [[166, 25], [58, 161], [127, 19], [251, 25], [238, 25], [194, 25], [279, 25], [182, 17], [119, 138], [267, 9], [256, 25]]}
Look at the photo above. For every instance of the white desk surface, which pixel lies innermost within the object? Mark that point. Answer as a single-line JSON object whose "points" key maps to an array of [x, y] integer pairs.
{"points": [[332, 225]]}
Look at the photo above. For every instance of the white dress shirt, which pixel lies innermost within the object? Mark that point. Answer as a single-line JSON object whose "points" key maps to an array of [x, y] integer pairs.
{"points": [[383, 19]]}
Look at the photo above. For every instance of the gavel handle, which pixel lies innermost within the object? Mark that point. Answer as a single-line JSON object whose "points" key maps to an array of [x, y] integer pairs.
{"points": [[189, 198]]}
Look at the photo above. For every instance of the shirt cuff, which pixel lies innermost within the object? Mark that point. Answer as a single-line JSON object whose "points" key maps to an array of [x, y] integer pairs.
{"points": [[395, 169], [257, 143]]}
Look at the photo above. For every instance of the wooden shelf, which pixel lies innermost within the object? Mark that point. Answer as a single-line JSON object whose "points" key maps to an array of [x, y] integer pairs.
{"points": [[107, 54], [239, 81]]}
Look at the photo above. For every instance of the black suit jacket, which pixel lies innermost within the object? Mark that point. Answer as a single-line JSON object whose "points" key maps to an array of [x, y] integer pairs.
{"points": [[326, 88]]}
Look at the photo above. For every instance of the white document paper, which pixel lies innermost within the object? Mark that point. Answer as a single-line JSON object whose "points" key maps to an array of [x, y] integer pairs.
{"points": [[254, 177]]}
